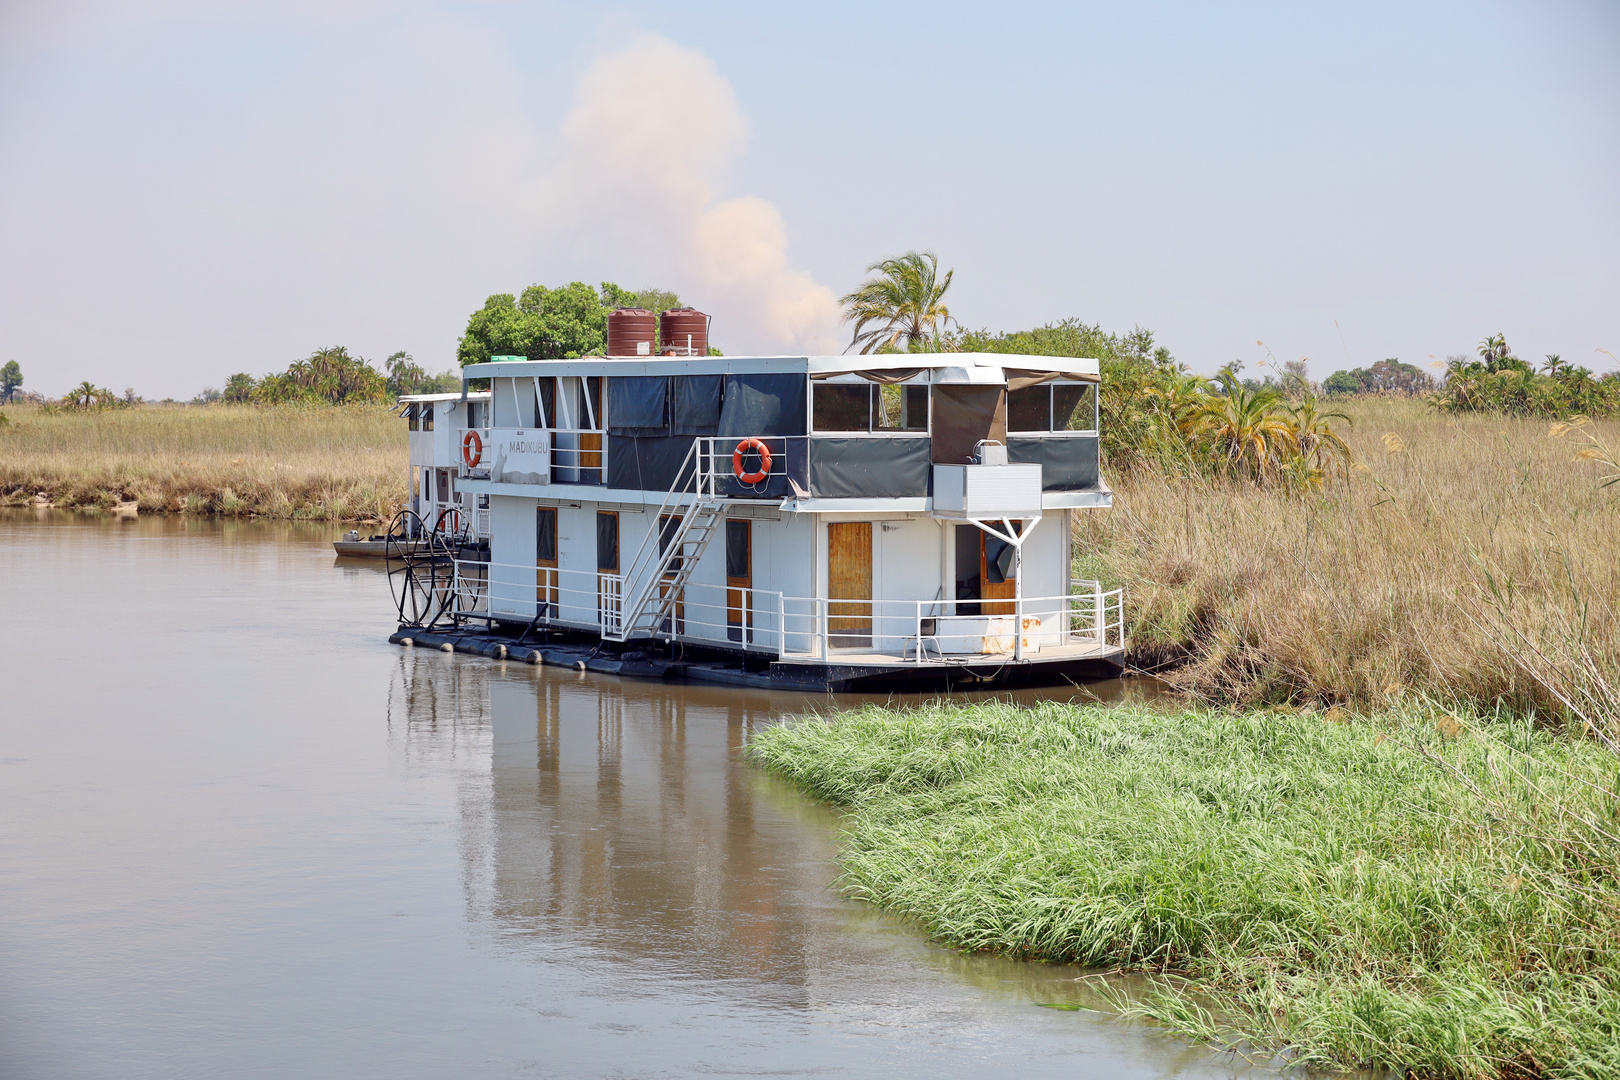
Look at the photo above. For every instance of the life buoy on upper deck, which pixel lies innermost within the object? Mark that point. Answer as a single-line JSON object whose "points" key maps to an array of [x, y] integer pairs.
{"points": [[472, 449], [751, 446]]}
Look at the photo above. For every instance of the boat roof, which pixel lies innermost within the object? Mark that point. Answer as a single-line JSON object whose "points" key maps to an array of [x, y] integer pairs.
{"points": [[952, 367], [411, 399]]}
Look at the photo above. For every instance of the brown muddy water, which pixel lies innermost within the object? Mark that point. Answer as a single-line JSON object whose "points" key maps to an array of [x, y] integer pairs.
{"points": [[241, 835]]}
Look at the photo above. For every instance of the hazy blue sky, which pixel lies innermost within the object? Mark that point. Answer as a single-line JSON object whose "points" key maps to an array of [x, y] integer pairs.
{"points": [[185, 193]]}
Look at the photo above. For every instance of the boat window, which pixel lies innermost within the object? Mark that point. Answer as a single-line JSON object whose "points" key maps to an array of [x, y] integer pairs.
{"points": [[914, 408], [607, 541], [841, 406], [1030, 409], [1051, 407], [545, 535], [427, 416], [1074, 407], [411, 416], [590, 403], [546, 401]]}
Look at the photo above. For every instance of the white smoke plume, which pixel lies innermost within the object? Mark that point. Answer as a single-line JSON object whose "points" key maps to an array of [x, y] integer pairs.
{"points": [[652, 133]]}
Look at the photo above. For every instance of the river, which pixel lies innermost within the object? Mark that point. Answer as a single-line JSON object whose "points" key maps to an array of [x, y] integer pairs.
{"points": [[241, 835]]}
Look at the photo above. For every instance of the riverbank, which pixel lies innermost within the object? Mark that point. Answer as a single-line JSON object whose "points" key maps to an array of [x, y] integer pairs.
{"points": [[1452, 536], [1407, 892], [327, 463]]}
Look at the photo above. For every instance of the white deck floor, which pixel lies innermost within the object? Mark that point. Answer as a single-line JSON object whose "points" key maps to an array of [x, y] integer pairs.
{"points": [[1080, 650]]}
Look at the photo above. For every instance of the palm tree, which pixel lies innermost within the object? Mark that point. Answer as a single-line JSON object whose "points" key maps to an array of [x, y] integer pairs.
{"points": [[1315, 437], [1494, 349], [901, 304], [82, 396], [1247, 429]]}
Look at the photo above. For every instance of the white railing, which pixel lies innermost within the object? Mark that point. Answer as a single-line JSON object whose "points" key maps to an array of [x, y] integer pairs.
{"points": [[715, 461], [919, 630], [547, 455], [586, 600], [799, 627]]}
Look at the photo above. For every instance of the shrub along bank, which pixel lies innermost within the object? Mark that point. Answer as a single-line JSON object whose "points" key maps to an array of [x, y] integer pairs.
{"points": [[1411, 893]]}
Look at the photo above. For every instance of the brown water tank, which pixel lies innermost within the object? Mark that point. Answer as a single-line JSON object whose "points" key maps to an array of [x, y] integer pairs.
{"points": [[679, 328], [632, 331]]}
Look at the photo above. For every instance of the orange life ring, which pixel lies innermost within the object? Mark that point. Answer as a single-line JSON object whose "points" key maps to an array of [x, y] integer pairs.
{"points": [[764, 452], [472, 449], [451, 514]]}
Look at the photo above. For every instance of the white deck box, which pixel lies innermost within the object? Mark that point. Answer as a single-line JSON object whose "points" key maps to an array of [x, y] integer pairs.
{"points": [[987, 491]]}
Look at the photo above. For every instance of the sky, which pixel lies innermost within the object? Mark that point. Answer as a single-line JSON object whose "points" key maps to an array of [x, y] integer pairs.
{"points": [[190, 188]]}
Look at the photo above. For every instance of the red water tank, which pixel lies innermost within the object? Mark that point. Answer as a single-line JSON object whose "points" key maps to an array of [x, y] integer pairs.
{"points": [[683, 332], [632, 331]]}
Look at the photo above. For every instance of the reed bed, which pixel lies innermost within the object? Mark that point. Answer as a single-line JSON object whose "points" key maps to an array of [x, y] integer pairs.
{"points": [[1416, 892], [325, 463], [1448, 533]]}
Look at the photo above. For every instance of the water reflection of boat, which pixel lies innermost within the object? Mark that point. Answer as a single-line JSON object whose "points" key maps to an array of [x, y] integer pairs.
{"points": [[616, 814]]}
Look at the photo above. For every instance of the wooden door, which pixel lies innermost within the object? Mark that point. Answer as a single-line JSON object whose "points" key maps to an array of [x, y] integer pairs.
{"points": [[849, 579], [739, 581], [545, 561], [995, 590]]}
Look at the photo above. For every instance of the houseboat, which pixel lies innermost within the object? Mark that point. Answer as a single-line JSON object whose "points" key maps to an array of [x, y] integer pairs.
{"points": [[831, 522]]}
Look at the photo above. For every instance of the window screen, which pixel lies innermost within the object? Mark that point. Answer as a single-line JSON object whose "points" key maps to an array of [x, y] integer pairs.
{"points": [[841, 406], [914, 408], [668, 526], [738, 564], [607, 542], [1072, 407], [427, 416], [1030, 409], [415, 420], [546, 399], [545, 534]]}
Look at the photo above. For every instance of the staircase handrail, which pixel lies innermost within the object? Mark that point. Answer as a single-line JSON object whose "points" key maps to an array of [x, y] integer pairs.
{"points": [[649, 542], [652, 561]]}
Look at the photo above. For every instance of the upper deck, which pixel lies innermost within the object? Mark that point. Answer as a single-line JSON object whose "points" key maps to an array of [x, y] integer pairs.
{"points": [[845, 433]]}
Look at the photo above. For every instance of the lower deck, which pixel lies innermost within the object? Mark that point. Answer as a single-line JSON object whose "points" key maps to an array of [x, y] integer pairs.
{"points": [[1074, 663]]}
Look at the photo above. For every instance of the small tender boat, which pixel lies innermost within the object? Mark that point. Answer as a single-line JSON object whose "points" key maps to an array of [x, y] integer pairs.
{"points": [[372, 547]]}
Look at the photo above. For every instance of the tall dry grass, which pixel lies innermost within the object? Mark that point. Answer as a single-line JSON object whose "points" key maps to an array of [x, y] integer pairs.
{"points": [[1398, 580], [332, 463]]}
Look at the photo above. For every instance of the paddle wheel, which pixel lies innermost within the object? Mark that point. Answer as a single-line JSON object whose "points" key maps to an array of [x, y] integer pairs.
{"points": [[422, 571]]}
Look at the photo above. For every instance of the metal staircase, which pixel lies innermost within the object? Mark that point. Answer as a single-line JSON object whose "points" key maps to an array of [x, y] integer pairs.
{"points": [[667, 556]]}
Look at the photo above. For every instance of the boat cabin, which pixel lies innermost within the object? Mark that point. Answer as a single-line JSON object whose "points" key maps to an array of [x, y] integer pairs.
{"points": [[437, 424], [829, 520]]}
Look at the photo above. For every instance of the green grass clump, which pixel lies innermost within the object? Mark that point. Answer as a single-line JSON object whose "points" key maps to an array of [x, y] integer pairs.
{"points": [[1415, 894]]}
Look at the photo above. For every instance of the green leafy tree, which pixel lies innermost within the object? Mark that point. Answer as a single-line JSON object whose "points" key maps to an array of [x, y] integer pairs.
{"points": [[1385, 377], [11, 378], [551, 324], [329, 376], [902, 305], [239, 387]]}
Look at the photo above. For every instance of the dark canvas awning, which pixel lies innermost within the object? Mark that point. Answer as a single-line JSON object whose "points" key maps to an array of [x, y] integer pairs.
{"points": [[964, 416], [1018, 378], [886, 376]]}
